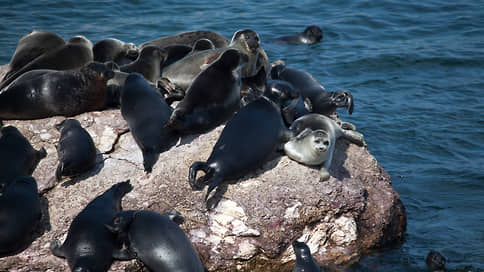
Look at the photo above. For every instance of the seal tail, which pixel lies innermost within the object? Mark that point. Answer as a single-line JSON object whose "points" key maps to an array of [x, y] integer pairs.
{"points": [[194, 168], [150, 157]]}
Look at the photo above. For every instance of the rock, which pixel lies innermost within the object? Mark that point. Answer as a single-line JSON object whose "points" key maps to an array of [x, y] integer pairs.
{"points": [[257, 218]]}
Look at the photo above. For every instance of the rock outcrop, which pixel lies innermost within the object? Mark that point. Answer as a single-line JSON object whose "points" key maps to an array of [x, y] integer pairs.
{"points": [[257, 216]]}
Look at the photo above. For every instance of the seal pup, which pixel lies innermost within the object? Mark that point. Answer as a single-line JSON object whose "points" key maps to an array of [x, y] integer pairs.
{"points": [[311, 35], [304, 259], [115, 50], [189, 38], [76, 53], [19, 213], [146, 112], [316, 140], [312, 92], [157, 241], [258, 125], [89, 245], [211, 99], [45, 93], [17, 156], [31, 46], [148, 63], [76, 151]]}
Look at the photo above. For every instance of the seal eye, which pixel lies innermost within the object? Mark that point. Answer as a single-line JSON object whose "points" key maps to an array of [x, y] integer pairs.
{"points": [[326, 143], [117, 221]]}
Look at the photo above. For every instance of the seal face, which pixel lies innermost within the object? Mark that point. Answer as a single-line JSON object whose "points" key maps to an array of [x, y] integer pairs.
{"points": [[435, 261], [76, 151], [146, 112], [304, 259], [312, 34], [46, 93], [211, 99], [148, 63], [89, 245], [115, 50], [316, 139], [17, 156], [76, 53], [157, 241], [19, 214], [189, 38], [259, 126], [312, 92]]}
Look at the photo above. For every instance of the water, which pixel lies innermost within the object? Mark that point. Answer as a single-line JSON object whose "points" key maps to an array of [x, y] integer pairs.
{"points": [[415, 68]]}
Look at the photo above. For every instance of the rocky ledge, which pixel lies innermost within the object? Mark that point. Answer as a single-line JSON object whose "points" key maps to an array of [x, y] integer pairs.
{"points": [[257, 216]]}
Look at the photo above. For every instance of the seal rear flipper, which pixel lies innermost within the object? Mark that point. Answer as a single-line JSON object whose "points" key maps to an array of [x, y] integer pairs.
{"points": [[354, 137], [58, 171], [209, 171], [42, 153], [175, 217], [123, 254], [122, 188], [56, 249], [150, 157]]}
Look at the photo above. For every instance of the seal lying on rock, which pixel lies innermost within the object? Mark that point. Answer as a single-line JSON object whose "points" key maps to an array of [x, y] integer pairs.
{"points": [[89, 245], [76, 151], [317, 99], [148, 63], [45, 93], [115, 50], [157, 241], [17, 156], [316, 139], [19, 213], [188, 38], [304, 259], [146, 112], [312, 34], [246, 142]]}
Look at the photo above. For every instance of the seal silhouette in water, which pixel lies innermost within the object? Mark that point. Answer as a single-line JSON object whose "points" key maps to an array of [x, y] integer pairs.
{"points": [[312, 34], [89, 245], [304, 259], [157, 241]]}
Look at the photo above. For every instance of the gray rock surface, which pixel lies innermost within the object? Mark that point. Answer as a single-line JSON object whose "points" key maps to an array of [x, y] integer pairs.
{"points": [[256, 219]]}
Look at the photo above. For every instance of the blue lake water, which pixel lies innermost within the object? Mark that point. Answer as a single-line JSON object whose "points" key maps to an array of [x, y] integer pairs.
{"points": [[415, 68]]}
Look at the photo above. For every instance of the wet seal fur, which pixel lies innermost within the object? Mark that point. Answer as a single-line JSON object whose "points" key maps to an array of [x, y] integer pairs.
{"points": [[146, 112], [312, 92], [45, 93], [312, 34], [76, 53], [435, 261], [157, 241], [304, 259], [188, 38], [19, 214], [76, 151], [17, 156], [115, 50], [211, 99], [89, 245], [148, 63], [316, 140], [246, 142]]}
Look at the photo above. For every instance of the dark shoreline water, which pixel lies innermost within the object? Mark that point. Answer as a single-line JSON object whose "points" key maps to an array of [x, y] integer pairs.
{"points": [[415, 69]]}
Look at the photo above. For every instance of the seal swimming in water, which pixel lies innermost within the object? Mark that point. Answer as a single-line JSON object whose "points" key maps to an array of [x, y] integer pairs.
{"points": [[19, 213], [45, 93], [148, 63], [316, 140], [115, 50], [89, 245], [312, 92], [211, 99], [258, 125], [189, 38], [31, 46], [76, 151], [76, 53], [157, 241], [435, 261], [17, 156], [312, 34], [304, 259], [146, 112]]}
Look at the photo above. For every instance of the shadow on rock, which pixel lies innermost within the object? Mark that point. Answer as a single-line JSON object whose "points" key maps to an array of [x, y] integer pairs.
{"points": [[76, 179]]}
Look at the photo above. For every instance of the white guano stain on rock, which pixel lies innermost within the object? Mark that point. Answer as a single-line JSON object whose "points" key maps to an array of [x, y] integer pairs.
{"points": [[345, 231], [315, 238], [293, 211]]}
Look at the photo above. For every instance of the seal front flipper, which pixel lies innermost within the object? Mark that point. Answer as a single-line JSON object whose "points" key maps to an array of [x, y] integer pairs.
{"points": [[194, 168], [57, 249], [354, 137], [58, 171], [217, 179], [175, 217]]}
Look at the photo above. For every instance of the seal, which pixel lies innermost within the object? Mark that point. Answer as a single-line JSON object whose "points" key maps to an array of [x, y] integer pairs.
{"points": [[76, 53], [435, 261], [115, 50], [157, 241], [19, 214], [189, 38], [316, 139], [148, 63], [258, 125], [146, 112], [46, 93], [32, 45], [89, 245], [312, 92], [211, 99], [76, 151], [311, 35], [17, 156], [304, 259]]}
